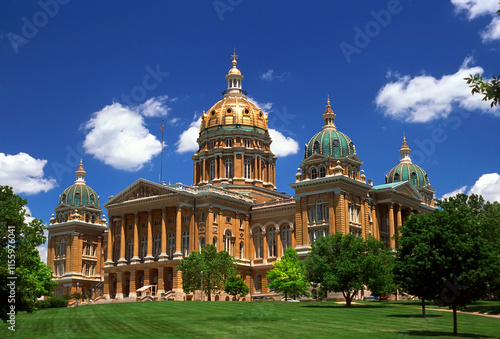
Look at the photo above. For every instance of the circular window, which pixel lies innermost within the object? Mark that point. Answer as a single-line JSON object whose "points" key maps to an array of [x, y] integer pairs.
{"points": [[247, 111], [228, 110], [260, 114], [213, 112]]}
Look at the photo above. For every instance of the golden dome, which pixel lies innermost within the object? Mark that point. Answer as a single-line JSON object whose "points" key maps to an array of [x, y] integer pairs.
{"points": [[234, 111]]}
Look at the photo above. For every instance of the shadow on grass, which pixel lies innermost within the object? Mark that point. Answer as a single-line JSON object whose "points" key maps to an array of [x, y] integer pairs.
{"points": [[414, 315], [442, 334], [343, 306]]}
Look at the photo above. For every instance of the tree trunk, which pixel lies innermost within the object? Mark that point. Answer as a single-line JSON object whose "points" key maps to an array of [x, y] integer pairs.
{"points": [[423, 307], [209, 295], [348, 298], [454, 319], [286, 294]]}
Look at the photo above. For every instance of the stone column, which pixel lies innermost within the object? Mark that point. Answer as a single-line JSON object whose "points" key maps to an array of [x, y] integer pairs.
{"points": [[135, 258], [192, 235], [161, 283], [133, 287], [391, 225], [163, 255], [106, 286], [399, 221], [331, 213], [279, 245], [178, 234], [376, 227], [109, 262], [122, 261], [149, 256], [177, 284], [209, 226]]}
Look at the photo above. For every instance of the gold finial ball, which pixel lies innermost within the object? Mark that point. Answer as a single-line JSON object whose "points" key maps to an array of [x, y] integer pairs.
{"points": [[234, 62]]}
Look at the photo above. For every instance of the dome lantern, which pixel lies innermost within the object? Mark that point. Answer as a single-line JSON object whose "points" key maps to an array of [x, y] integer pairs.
{"points": [[234, 79], [329, 117], [405, 152], [80, 174]]}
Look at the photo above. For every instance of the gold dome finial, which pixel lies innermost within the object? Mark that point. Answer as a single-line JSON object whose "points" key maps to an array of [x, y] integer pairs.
{"points": [[234, 56], [328, 101]]}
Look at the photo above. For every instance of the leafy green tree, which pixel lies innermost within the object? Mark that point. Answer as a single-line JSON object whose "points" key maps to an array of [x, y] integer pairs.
{"points": [[216, 268], [236, 287], [443, 255], [346, 263], [490, 230], [19, 257], [288, 277]]}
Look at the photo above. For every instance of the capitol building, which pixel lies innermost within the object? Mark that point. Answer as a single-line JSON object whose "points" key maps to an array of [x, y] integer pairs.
{"points": [[232, 203]]}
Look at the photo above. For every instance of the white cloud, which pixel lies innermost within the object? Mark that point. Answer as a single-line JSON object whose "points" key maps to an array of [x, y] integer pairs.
{"points": [[424, 98], [266, 107], [24, 173], [488, 186], [155, 107], [492, 31], [269, 75], [282, 146], [477, 8], [117, 136], [187, 139]]}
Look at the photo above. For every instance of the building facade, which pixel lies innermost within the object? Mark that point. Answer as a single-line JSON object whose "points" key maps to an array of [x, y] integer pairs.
{"points": [[233, 204]]}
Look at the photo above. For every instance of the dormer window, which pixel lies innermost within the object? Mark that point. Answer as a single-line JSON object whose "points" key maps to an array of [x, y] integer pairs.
{"points": [[316, 147], [396, 177]]}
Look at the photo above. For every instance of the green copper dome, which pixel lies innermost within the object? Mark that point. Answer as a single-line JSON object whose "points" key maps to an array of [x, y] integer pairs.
{"points": [[79, 194], [329, 141], [406, 170]]}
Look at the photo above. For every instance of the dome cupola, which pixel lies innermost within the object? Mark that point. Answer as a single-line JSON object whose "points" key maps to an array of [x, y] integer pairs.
{"points": [[79, 194]]}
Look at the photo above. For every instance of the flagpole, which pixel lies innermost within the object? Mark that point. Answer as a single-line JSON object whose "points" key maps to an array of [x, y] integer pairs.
{"points": [[161, 166]]}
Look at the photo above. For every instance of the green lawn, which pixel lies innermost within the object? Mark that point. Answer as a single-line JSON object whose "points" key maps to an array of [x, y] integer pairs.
{"points": [[248, 319]]}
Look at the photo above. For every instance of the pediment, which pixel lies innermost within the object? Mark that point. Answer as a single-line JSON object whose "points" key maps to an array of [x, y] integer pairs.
{"points": [[404, 188], [141, 188]]}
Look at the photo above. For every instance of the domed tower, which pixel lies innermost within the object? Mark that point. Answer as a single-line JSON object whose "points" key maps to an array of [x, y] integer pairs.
{"points": [[76, 240], [330, 152], [408, 171], [234, 143]]}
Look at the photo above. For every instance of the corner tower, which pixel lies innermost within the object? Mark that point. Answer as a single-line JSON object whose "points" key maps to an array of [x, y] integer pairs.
{"points": [[234, 143], [76, 240]]}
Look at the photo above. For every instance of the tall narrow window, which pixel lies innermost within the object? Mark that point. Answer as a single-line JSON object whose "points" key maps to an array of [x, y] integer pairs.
{"points": [[185, 243], [144, 247], [319, 211], [229, 142], [258, 243], [242, 253], [271, 241], [286, 237], [248, 167], [130, 249], [414, 178], [322, 171], [202, 242], [171, 244], [214, 242], [229, 168], [212, 170], [316, 147], [311, 215], [314, 173], [157, 246], [227, 241], [396, 177]]}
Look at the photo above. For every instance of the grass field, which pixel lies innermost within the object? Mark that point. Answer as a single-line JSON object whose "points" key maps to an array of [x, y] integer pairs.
{"points": [[265, 319]]}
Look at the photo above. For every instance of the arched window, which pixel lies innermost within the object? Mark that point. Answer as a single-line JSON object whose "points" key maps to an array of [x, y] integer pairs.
{"points": [[171, 244], [143, 247], [63, 248], [316, 147], [258, 243], [271, 241], [354, 173], [414, 178], [77, 199], [157, 246], [130, 249], [229, 168], [212, 170], [227, 241], [94, 217], [248, 169], [314, 173], [242, 247], [92, 199], [202, 242], [214, 242], [396, 177], [322, 172], [286, 237]]}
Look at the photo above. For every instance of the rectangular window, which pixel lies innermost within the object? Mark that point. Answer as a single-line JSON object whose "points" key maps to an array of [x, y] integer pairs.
{"points": [[311, 215], [202, 217], [214, 218], [229, 220], [327, 213]]}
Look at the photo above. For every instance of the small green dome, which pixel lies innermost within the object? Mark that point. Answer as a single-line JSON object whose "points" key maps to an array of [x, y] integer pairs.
{"points": [[408, 171], [79, 195], [331, 143]]}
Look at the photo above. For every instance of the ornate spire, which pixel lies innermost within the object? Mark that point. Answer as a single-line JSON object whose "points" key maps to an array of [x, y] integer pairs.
{"points": [[405, 151], [80, 174], [329, 116], [234, 79]]}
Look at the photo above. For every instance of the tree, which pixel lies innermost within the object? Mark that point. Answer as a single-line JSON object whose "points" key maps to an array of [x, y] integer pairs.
{"points": [[443, 255], [346, 263], [236, 287], [216, 267], [19, 257], [288, 277], [490, 89]]}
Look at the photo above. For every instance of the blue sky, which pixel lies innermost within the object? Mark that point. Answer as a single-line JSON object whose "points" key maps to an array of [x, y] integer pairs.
{"points": [[94, 79]]}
